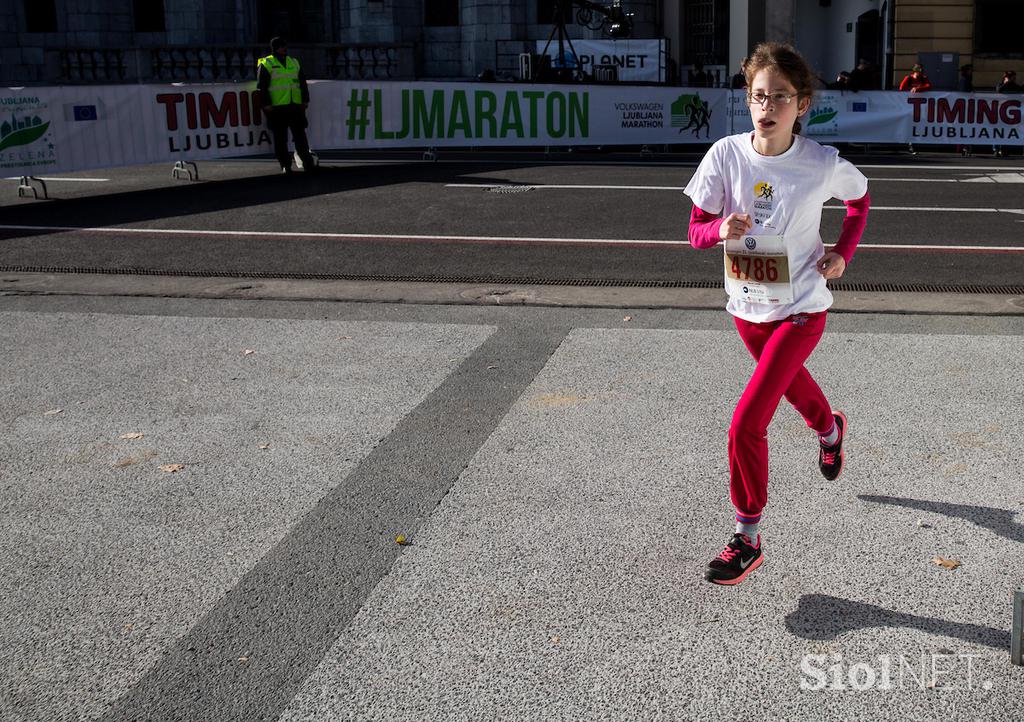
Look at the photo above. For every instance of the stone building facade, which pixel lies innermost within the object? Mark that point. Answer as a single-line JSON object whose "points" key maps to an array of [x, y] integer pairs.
{"points": [[49, 41]]}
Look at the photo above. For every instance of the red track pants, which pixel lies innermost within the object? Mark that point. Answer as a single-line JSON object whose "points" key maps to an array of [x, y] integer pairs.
{"points": [[780, 349]]}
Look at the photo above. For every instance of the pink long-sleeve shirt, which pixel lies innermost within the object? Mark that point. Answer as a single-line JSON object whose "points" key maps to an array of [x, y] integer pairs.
{"points": [[704, 227]]}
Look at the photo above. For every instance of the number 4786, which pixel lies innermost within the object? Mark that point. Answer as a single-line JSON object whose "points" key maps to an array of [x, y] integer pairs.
{"points": [[747, 268]]}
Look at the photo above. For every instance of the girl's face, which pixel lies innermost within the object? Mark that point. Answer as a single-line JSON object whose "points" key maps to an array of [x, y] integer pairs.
{"points": [[774, 117]]}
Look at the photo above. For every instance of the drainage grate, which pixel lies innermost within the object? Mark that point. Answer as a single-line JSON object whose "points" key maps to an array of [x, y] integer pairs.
{"points": [[1014, 290], [507, 190]]}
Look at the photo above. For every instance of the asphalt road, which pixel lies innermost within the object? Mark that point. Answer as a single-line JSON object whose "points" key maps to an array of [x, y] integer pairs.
{"points": [[570, 217], [201, 500], [201, 497]]}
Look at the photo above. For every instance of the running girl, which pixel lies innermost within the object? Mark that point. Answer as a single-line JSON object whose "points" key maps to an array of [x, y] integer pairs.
{"points": [[770, 186]]}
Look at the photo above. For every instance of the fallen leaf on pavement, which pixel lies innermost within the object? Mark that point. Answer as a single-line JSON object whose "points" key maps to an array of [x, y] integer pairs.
{"points": [[133, 435], [628, 318], [344, 338], [53, 412], [401, 540], [492, 367], [264, 446], [248, 352], [172, 468], [947, 563]]}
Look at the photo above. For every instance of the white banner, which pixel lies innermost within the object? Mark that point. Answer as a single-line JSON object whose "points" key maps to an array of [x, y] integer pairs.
{"points": [[62, 129], [964, 118], [461, 114], [636, 61], [843, 117]]}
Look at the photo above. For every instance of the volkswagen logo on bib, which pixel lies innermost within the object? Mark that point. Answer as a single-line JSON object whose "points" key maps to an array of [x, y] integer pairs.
{"points": [[750, 243]]}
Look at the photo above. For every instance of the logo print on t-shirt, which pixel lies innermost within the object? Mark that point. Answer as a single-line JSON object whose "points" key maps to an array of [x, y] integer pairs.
{"points": [[764, 206]]}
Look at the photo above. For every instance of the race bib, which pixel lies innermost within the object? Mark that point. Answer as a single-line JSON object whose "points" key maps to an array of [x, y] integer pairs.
{"points": [[757, 270]]}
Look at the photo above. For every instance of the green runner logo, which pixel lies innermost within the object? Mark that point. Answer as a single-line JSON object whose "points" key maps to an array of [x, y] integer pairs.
{"points": [[445, 113], [689, 111], [21, 131]]}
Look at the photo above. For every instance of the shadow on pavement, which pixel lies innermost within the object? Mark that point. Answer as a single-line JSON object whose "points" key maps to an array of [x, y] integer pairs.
{"points": [[821, 617], [999, 521], [222, 195]]}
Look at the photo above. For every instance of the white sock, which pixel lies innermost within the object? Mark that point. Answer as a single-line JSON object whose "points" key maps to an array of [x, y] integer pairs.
{"points": [[750, 530], [830, 438]]}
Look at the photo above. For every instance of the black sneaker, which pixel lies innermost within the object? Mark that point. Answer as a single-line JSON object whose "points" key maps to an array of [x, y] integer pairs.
{"points": [[735, 562], [832, 459]]}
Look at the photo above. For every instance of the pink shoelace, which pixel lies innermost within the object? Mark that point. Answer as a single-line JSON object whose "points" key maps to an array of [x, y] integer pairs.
{"points": [[829, 457], [727, 554]]}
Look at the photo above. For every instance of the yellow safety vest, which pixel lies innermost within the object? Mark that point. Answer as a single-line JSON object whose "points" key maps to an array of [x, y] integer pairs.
{"points": [[284, 80]]}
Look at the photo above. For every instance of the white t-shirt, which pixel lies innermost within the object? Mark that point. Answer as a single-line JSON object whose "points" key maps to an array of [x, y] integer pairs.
{"points": [[783, 195]]}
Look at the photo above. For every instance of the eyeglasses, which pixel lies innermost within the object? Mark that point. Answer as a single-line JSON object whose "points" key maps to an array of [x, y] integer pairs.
{"points": [[775, 98]]}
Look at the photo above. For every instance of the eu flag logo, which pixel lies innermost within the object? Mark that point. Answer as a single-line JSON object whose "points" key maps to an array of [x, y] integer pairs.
{"points": [[85, 112]]}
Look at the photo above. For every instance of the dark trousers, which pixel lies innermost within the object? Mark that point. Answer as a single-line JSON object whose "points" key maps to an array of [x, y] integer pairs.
{"points": [[281, 119]]}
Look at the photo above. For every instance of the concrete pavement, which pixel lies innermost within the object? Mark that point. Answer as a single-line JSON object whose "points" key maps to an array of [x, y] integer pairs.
{"points": [[561, 476]]}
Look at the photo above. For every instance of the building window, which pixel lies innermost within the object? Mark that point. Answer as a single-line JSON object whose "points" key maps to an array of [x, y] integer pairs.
{"points": [[997, 25], [41, 16], [546, 12], [149, 16], [441, 12], [706, 27]]}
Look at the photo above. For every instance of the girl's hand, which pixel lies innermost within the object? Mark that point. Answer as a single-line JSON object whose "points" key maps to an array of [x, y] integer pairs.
{"points": [[735, 225], [831, 265]]}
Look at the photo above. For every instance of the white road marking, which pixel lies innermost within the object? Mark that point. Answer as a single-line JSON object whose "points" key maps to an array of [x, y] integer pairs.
{"points": [[579, 161], [563, 186], [476, 239], [998, 178], [932, 208], [558, 186], [939, 167], [70, 180]]}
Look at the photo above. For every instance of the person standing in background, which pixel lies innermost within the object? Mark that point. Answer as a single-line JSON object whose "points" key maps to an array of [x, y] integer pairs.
{"points": [[284, 95], [862, 77], [1007, 85], [965, 84], [917, 81]]}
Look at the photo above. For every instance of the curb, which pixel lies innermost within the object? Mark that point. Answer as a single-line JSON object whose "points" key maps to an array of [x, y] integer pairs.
{"points": [[74, 284]]}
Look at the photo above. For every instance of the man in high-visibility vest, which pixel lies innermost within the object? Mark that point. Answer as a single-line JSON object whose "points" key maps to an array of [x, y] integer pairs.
{"points": [[281, 86]]}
